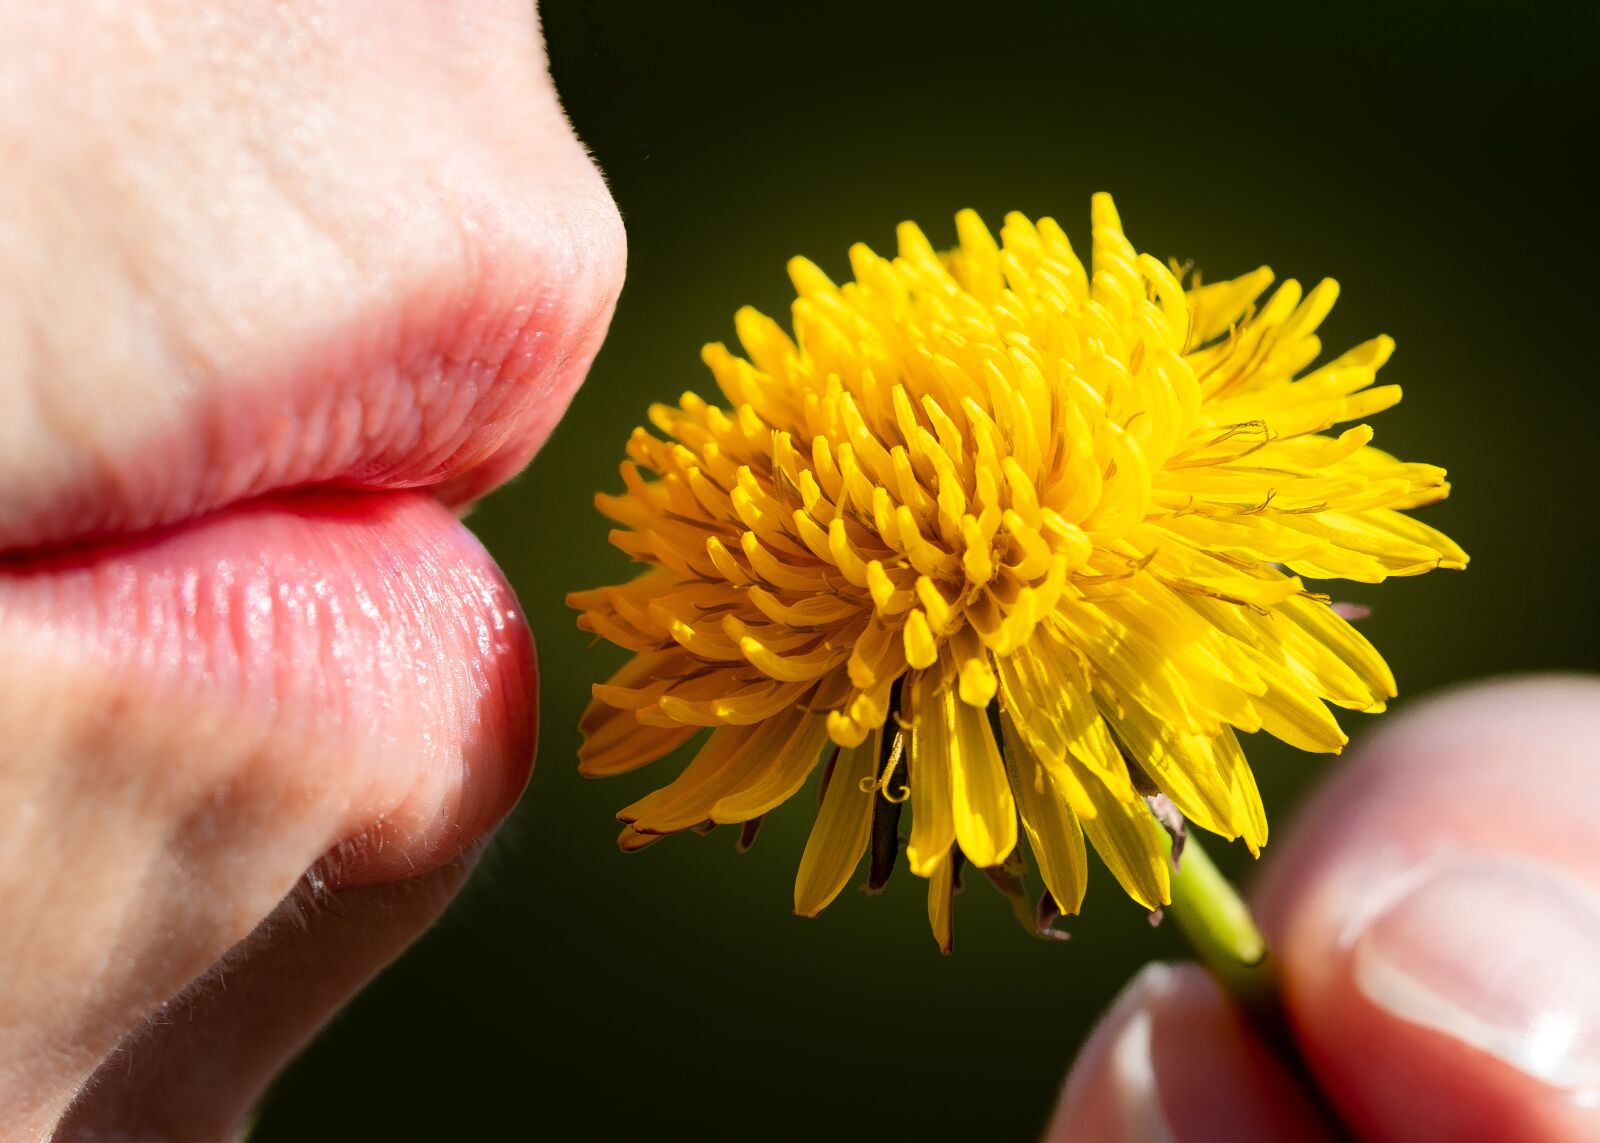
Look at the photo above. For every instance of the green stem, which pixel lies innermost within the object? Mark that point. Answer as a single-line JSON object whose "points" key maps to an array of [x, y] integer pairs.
{"points": [[1224, 938], [1217, 923]]}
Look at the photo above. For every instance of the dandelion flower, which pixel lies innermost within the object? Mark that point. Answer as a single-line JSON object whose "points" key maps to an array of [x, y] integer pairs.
{"points": [[1011, 542]]}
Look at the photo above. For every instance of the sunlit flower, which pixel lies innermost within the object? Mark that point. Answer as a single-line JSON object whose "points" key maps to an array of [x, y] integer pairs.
{"points": [[1013, 541]]}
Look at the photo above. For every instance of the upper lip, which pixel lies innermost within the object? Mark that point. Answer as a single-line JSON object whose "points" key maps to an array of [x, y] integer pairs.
{"points": [[365, 628], [453, 393]]}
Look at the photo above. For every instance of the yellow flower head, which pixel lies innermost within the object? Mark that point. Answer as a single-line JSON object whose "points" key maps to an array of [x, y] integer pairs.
{"points": [[1022, 539]]}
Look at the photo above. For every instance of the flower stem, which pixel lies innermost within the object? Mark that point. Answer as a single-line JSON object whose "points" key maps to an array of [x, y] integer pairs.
{"points": [[1221, 932], [1224, 938]]}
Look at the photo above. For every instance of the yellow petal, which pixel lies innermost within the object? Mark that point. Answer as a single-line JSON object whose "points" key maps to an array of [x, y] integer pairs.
{"points": [[1129, 841], [688, 799], [839, 835], [780, 775], [1216, 307], [1291, 713], [1335, 633], [933, 826], [1250, 816], [1250, 589], [621, 743], [921, 650], [1185, 768], [985, 813], [1052, 828], [976, 685], [941, 902]]}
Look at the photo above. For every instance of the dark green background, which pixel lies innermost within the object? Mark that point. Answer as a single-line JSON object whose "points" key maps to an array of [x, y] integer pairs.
{"points": [[1430, 159]]}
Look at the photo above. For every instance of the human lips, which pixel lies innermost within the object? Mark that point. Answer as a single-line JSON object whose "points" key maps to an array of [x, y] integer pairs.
{"points": [[451, 388], [284, 556], [368, 631], [281, 291]]}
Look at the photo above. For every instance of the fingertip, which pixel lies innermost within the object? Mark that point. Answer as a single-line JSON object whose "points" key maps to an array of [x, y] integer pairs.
{"points": [[1437, 913], [1111, 1091], [1172, 1062]]}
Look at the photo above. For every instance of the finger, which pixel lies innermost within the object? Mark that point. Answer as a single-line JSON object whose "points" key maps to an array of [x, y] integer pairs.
{"points": [[1437, 912], [1172, 1062]]}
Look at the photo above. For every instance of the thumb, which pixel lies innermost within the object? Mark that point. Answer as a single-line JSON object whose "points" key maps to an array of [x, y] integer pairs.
{"points": [[1174, 1062], [1437, 915]]}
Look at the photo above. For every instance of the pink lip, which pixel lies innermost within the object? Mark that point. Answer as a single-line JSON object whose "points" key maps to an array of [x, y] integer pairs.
{"points": [[276, 556], [372, 621], [452, 393]]}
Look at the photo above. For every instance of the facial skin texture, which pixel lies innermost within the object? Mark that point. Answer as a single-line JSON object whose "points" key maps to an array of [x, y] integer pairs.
{"points": [[281, 288]]}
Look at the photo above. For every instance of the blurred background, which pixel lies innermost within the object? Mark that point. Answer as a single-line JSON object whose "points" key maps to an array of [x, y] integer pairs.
{"points": [[1433, 159]]}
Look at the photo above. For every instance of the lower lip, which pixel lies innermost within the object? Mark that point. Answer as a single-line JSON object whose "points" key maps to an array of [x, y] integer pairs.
{"points": [[373, 616]]}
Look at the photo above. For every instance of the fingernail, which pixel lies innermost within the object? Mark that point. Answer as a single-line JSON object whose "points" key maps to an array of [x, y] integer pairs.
{"points": [[1500, 955], [1133, 1068]]}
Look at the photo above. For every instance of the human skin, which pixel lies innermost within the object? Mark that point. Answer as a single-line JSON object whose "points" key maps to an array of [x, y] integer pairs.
{"points": [[1436, 914], [251, 738], [281, 289]]}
